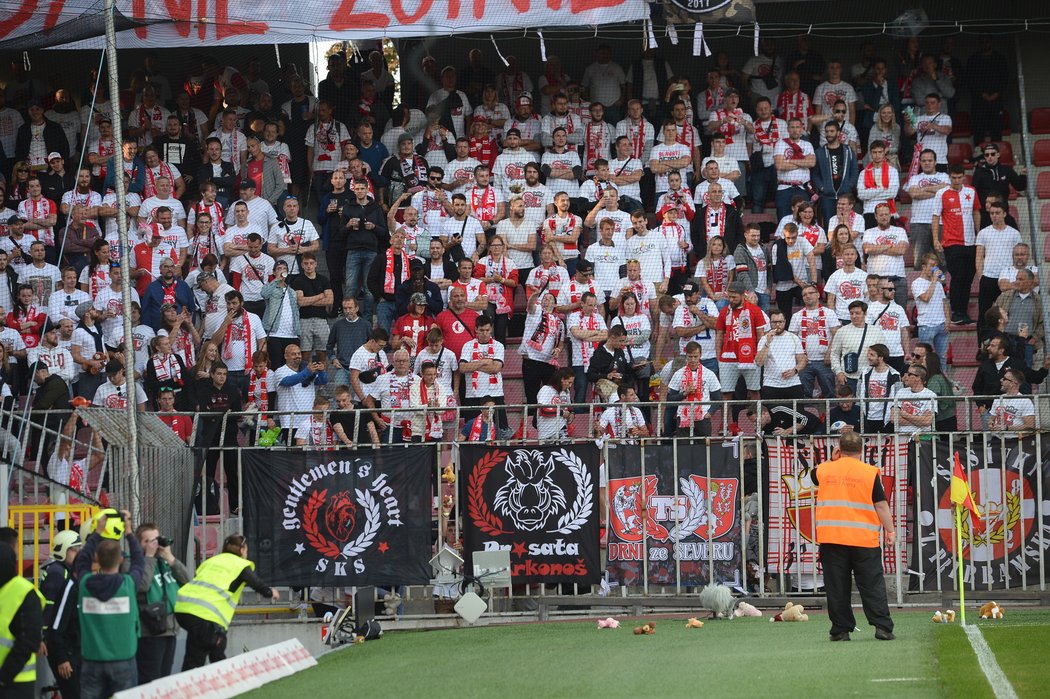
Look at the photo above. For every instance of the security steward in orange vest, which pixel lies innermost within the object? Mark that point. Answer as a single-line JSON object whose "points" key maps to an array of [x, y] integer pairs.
{"points": [[851, 509]]}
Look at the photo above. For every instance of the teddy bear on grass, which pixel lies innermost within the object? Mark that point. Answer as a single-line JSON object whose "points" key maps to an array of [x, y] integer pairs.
{"points": [[792, 612]]}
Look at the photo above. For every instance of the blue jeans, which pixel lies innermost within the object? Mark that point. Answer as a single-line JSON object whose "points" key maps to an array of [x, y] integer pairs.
{"points": [[711, 364], [579, 387], [99, 680], [819, 373], [937, 336], [828, 202], [783, 199], [763, 300], [762, 179], [357, 264], [386, 314]]}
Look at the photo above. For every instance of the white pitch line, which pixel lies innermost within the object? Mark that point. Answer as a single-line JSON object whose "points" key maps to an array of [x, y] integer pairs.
{"points": [[1001, 686], [902, 679]]}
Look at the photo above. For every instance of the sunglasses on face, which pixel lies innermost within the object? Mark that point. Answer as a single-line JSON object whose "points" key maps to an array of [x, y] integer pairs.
{"points": [[840, 111]]}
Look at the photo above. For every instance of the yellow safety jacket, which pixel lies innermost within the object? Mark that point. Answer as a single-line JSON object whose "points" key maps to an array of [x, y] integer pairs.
{"points": [[208, 595], [12, 594]]}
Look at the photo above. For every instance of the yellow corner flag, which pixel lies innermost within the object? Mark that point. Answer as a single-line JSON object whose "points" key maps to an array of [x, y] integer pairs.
{"points": [[962, 496]]}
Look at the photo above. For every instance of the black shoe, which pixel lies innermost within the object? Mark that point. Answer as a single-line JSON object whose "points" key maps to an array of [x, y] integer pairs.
{"points": [[840, 636], [961, 319], [884, 635]]}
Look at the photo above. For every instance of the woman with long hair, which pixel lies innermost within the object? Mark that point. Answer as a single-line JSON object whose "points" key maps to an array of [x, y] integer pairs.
{"points": [[886, 129], [639, 329], [715, 271], [164, 369], [501, 278], [199, 375], [944, 420], [841, 238], [95, 276], [184, 336], [18, 185]]}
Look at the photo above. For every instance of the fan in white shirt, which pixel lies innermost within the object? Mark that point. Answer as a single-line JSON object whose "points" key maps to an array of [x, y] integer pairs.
{"points": [[296, 396], [914, 407], [1011, 411]]}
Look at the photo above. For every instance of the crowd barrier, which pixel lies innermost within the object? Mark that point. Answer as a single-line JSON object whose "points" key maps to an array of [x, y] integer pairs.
{"points": [[678, 511], [36, 526]]}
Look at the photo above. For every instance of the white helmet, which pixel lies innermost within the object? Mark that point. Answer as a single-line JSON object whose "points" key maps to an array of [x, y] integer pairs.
{"points": [[64, 541]]}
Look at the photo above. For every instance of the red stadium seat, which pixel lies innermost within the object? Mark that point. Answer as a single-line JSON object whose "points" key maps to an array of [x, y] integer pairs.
{"points": [[1041, 152], [959, 153], [962, 127], [1006, 152], [1007, 131], [1039, 120], [1046, 249], [1013, 193], [1044, 218], [1042, 185]]}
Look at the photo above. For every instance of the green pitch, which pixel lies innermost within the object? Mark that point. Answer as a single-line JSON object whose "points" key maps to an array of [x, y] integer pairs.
{"points": [[743, 658]]}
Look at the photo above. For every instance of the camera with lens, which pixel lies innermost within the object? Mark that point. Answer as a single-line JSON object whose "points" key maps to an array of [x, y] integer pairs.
{"points": [[163, 541]]}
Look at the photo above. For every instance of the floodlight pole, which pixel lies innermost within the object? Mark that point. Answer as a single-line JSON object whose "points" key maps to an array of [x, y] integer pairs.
{"points": [[125, 262]]}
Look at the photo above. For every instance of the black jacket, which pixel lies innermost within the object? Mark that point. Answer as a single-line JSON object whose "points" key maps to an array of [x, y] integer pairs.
{"points": [[997, 180], [604, 362], [55, 140], [360, 238], [58, 585], [53, 394], [986, 383], [733, 231], [430, 290], [377, 275], [53, 186], [189, 154], [224, 184]]}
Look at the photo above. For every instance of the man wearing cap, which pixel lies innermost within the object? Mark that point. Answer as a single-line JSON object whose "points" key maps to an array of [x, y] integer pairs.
{"points": [[406, 170], [56, 181], [418, 283], [410, 330], [528, 126], [167, 289], [509, 169], [314, 295], [58, 360], [58, 585], [38, 137], [740, 327], [261, 214]]}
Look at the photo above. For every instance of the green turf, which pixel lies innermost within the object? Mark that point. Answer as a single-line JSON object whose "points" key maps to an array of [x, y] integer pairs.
{"points": [[743, 658]]}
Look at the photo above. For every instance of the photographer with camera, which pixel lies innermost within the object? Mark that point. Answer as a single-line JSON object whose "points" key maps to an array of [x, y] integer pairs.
{"points": [[156, 593]]}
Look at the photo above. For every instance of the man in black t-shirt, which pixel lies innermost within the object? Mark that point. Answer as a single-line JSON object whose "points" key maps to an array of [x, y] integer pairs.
{"points": [[314, 294], [345, 420], [214, 398]]}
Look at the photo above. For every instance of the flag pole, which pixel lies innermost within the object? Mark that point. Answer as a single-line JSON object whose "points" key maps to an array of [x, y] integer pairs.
{"points": [[958, 546]]}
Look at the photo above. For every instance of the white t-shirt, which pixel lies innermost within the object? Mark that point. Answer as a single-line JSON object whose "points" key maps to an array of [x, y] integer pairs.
{"points": [[446, 362], [651, 252], [255, 273], [363, 360], [214, 308], [607, 261], [663, 153], [789, 178], [141, 336], [886, 265], [148, 208], [639, 329], [729, 192], [998, 249], [109, 396], [937, 142], [480, 384], [686, 381], [782, 351], [827, 94], [705, 336], [583, 351], [233, 352], [915, 403], [518, 235], [64, 304], [42, 279], [922, 210], [929, 313], [326, 140], [847, 288], [1011, 411], [509, 169], [568, 160], [470, 229], [876, 384], [289, 235], [460, 169], [761, 265], [891, 321], [293, 398], [624, 168], [110, 301], [814, 329], [551, 427]]}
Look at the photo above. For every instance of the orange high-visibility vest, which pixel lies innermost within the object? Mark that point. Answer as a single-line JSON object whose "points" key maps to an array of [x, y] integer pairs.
{"points": [[845, 513]]}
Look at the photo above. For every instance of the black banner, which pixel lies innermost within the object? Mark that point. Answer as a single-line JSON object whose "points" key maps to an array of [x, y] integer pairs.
{"points": [[1004, 552], [692, 519], [339, 518], [540, 503]]}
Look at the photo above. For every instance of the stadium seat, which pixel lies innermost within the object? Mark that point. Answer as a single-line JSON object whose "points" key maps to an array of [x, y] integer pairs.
{"points": [[962, 127], [1013, 193], [959, 153], [1006, 152], [1042, 185], [1007, 130], [1041, 152], [963, 349], [1046, 248], [1044, 218], [1039, 120]]}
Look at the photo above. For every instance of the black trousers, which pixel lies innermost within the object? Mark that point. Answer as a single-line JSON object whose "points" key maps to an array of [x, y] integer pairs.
{"points": [[843, 564], [69, 688], [961, 261], [786, 300], [987, 293], [987, 119], [205, 641], [534, 375], [154, 658]]}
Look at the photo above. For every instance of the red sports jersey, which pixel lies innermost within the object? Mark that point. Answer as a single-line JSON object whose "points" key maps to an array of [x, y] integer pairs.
{"points": [[956, 214], [458, 331], [415, 328], [740, 333]]}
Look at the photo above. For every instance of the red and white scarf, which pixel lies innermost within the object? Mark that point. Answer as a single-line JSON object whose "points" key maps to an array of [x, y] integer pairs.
{"points": [[325, 137], [793, 105], [549, 326], [148, 116], [106, 148], [246, 336], [183, 345], [714, 100], [150, 188], [498, 293], [475, 355], [810, 324], [434, 428], [767, 135], [811, 233], [673, 234], [577, 289], [727, 127], [636, 134], [483, 203], [717, 274], [167, 369], [694, 410], [686, 135], [596, 143], [40, 209], [98, 280], [484, 150], [475, 429], [388, 277], [869, 181], [257, 389], [321, 434], [587, 348]]}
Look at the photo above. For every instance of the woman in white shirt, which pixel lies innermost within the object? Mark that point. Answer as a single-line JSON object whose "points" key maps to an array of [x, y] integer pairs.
{"points": [[542, 343], [639, 329], [501, 278], [552, 420], [715, 271]]}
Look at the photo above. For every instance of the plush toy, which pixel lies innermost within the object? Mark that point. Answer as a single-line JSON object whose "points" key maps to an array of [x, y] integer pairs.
{"points": [[719, 600], [694, 623], [608, 623], [991, 610], [448, 475], [745, 609], [792, 612], [391, 601], [646, 629], [947, 617]]}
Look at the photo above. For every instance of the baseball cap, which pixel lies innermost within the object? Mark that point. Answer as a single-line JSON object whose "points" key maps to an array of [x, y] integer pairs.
{"points": [[418, 299], [167, 262], [690, 288], [404, 137], [524, 98], [38, 366], [12, 220], [247, 183], [584, 266], [513, 132], [54, 154], [82, 309]]}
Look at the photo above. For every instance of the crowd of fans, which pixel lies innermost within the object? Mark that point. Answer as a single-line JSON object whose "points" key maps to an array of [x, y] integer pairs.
{"points": [[613, 221]]}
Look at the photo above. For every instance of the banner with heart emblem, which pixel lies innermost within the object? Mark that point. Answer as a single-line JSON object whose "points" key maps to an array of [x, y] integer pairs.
{"points": [[339, 518], [664, 516], [1007, 547], [539, 503]]}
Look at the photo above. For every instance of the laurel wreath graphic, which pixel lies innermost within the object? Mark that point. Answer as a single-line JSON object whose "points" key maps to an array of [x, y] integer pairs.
{"points": [[1013, 516], [577, 515], [364, 539], [477, 508], [313, 537], [696, 514]]}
